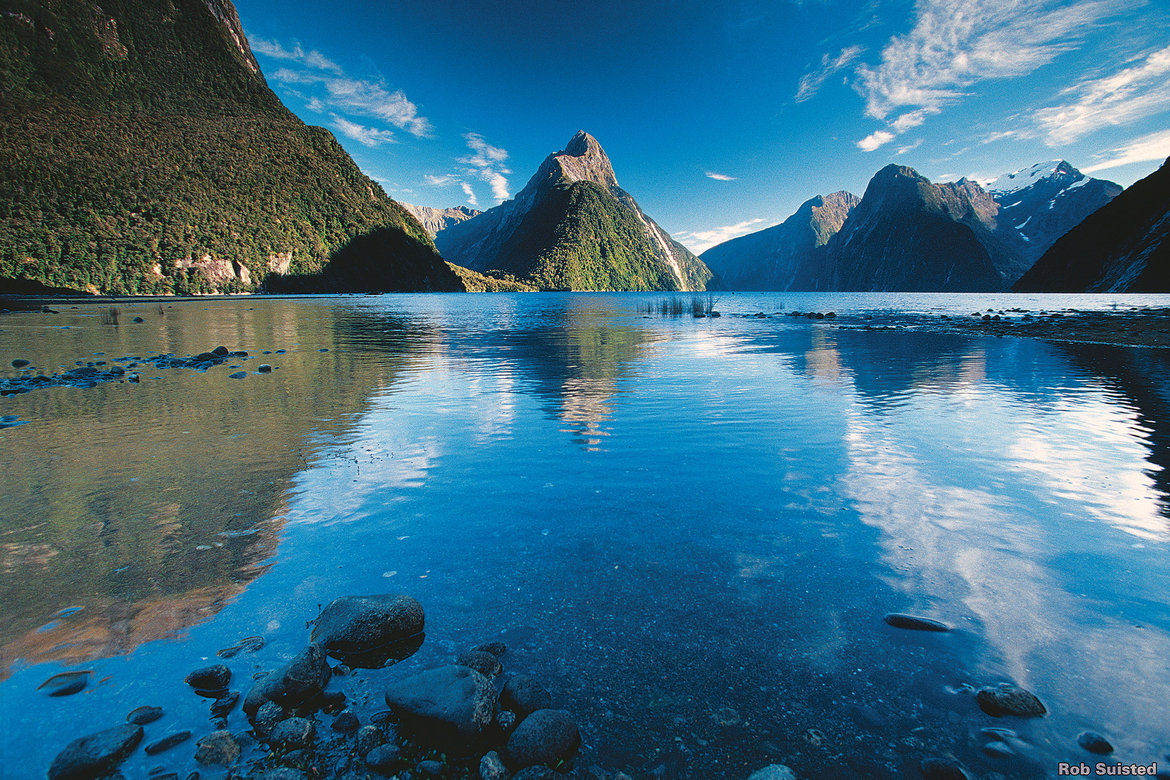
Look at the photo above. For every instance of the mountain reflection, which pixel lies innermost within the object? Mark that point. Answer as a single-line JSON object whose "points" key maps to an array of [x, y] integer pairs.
{"points": [[139, 511]]}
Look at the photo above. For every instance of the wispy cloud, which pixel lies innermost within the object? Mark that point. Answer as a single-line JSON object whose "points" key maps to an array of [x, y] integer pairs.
{"points": [[719, 176], [909, 147], [1135, 92], [811, 82], [875, 140], [310, 58], [486, 162], [701, 240], [956, 44], [362, 97], [1150, 148], [368, 136]]}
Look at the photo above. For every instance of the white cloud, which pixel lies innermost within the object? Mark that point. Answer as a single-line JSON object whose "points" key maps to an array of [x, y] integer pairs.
{"points": [[700, 241], [441, 181], [486, 162], [909, 147], [471, 199], [810, 83], [1000, 136], [719, 176], [1150, 148], [312, 58], [367, 136], [1132, 93], [361, 97], [875, 140], [956, 44]]}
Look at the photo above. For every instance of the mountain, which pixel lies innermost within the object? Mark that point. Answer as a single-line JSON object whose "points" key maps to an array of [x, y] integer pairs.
{"points": [[1040, 204], [908, 234], [1122, 247], [437, 220], [573, 228], [145, 153], [781, 257]]}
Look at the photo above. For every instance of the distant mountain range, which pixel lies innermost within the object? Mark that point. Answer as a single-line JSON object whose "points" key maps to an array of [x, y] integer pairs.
{"points": [[435, 220], [909, 234], [145, 153], [573, 228], [1122, 247]]}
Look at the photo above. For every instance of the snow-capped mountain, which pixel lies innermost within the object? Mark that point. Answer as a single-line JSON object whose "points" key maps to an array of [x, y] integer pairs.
{"points": [[1038, 205]]}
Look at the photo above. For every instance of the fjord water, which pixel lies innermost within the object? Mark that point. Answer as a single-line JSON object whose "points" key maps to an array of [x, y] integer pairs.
{"points": [[688, 529]]}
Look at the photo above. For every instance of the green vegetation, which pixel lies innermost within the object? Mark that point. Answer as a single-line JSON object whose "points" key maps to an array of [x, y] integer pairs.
{"points": [[678, 306], [144, 154], [474, 281], [581, 237]]}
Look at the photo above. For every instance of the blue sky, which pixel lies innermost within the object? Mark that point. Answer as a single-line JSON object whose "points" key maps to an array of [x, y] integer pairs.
{"points": [[721, 118]]}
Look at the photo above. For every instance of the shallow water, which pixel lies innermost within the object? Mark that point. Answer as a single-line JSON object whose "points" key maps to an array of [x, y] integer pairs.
{"points": [[688, 529]]}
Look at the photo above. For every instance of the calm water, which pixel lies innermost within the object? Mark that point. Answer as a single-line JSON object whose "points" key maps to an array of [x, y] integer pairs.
{"points": [[688, 529]]}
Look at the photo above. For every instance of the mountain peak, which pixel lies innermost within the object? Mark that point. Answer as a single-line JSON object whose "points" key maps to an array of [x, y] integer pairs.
{"points": [[1012, 182], [583, 159]]}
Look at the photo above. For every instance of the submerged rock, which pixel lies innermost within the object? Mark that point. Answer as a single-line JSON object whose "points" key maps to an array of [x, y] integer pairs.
{"points": [[522, 694], [292, 733], [95, 755], [914, 623], [451, 704], [356, 625], [773, 772], [246, 645], [491, 767], [167, 742], [547, 737], [224, 704], [144, 715], [943, 769], [481, 661], [65, 683], [383, 759], [210, 678], [1009, 699], [218, 747], [1094, 743], [297, 682]]}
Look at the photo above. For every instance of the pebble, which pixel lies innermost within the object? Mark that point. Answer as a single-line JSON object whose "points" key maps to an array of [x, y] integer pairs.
{"points": [[545, 737], [264, 368], [1095, 743], [167, 742], [1009, 699], [943, 769], [773, 772], [998, 749], [492, 768], [218, 747], [19, 363], [368, 738], [522, 694], [293, 733], [238, 375], [914, 623], [143, 715], [65, 683], [481, 661], [95, 755], [346, 722], [247, 645], [224, 704], [429, 768], [210, 678], [384, 758], [269, 714]]}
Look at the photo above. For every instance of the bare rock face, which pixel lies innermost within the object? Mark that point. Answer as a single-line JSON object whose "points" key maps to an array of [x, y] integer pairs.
{"points": [[435, 221]]}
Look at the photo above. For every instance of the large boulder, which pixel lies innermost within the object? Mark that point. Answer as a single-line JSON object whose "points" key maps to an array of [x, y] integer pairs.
{"points": [[97, 754], [358, 626], [546, 737], [524, 695], [452, 705], [299, 681]]}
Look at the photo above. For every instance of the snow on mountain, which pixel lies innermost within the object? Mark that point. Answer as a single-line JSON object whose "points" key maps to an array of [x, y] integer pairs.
{"points": [[1011, 182]]}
